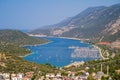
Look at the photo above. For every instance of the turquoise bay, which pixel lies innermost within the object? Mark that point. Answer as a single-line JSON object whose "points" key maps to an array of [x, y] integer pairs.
{"points": [[57, 52]]}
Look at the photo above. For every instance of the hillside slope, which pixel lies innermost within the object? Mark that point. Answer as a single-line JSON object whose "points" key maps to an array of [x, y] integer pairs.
{"points": [[14, 64], [91, 23], [12, 42], [18, 37], [11, 49]]}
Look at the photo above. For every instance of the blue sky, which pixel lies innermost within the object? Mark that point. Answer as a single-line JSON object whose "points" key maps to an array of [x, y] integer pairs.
{"points": [[32, 14]]}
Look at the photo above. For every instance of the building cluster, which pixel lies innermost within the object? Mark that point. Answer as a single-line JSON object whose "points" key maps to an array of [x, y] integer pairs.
{"points": [[19, 76], [70, 75], [60, 31], [52, 76], [48, 76]]}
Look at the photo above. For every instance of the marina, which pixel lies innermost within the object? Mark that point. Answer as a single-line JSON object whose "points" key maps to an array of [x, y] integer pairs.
{"points": [[85, 53]]}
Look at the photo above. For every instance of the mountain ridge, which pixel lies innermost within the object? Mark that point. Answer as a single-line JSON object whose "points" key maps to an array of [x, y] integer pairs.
{"points": [[90, 23]]}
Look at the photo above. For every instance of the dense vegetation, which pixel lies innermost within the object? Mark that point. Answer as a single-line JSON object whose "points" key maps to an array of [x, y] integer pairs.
{"points": [[14, 64], [13, 49]]}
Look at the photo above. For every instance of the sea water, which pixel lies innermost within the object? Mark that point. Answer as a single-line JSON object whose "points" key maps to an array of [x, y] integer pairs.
{"points": [[57, 52]]}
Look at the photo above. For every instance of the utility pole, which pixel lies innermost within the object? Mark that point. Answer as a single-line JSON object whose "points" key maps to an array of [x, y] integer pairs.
{"points": [[101, 67], [107, 65], [107, 54], [107, 70]]}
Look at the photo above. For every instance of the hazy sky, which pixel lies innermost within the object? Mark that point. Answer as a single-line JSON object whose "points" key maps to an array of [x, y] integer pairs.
{"points": [[32, 14]]}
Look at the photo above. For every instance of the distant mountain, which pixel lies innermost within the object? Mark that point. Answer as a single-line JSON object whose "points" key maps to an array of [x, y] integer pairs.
{"points": [[24, 30], [18, 37], [94, 22]]}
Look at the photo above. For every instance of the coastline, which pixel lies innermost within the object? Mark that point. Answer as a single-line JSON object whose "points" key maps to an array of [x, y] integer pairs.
{"points": [[34, 45], [102, 57], [82, 39], [38, 44], [25, 55], [76, 64], [70, 38]]}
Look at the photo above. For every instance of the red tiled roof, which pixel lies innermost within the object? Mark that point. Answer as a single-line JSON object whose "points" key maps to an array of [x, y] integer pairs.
{"points": [[103, 43]]}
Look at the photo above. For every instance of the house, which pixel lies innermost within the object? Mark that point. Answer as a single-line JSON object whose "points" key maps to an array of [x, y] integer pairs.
{"points": [[103, 43], [6, 76], [20, 75], [66, 78], [13, 76], [86, 68], [70, 73], [29, 75], [117, 71], [84, 76], [93, 74], [41, 78], [58, 75], [99, 75], [50, 75], [1, 77], [26, 78]]}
